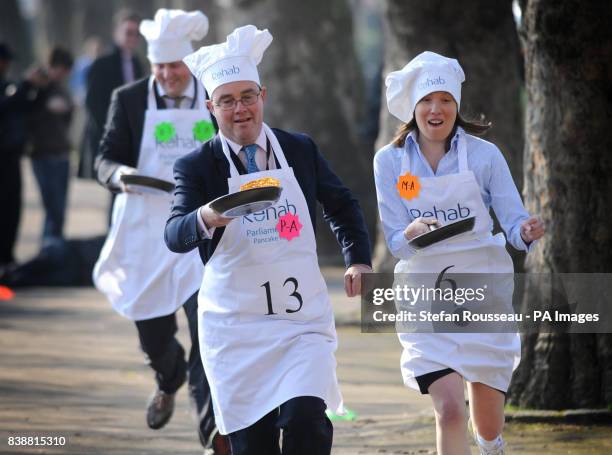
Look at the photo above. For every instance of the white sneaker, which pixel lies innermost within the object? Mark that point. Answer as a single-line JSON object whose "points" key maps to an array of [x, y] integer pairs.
{"points": [[497, 449]]}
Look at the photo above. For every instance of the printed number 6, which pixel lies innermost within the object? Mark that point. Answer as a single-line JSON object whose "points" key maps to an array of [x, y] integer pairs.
{"points": [[450, 281]]}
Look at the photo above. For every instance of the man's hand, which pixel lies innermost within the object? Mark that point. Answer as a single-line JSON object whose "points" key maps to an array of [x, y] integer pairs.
{"points": [[213, 219], [126, 170], [352, 279], [532, 229]]}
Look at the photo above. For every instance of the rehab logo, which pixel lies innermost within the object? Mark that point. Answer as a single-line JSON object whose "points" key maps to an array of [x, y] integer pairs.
{"points": [[271, 213], [434, 81], [442, 214], [225, 72]]}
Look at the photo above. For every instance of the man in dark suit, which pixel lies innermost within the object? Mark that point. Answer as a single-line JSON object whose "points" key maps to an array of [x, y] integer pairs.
{"points": [[209, 167], [155, 286], [16, 99], [107, 72], [266, 325]]}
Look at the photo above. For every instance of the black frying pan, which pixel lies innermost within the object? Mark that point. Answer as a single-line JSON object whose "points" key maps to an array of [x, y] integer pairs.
{"points": [[147, 182], [447, 231], [247, 201]]}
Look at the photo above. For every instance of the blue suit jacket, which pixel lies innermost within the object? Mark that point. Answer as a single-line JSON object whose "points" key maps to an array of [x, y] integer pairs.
{"points": [[201, 176]]}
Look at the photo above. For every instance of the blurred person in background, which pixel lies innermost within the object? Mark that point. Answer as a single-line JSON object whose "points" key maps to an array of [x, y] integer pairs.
{"points": [[48, 129], [112, 70], [92, 48], [16, 99], [151, 123]]}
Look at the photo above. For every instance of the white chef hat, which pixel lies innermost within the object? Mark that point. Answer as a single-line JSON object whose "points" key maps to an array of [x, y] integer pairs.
{"points": [[234, 60], [170, 34], [426, 73]]}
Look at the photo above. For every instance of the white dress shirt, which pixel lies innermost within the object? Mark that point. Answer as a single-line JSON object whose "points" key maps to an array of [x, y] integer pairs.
{"points": [[127, 67], [490, 169], [260, 155], [188, 96]]}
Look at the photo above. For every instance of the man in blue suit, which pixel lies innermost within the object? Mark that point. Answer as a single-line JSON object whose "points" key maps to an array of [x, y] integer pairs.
{"points": [[267, 333]]}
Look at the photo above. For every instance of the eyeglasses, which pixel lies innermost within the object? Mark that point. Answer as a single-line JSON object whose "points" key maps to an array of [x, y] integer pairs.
{"points": [[228, 104]]}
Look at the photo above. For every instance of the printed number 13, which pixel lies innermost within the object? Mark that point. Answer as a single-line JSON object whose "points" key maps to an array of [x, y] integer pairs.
{"points": [[295, 294]]}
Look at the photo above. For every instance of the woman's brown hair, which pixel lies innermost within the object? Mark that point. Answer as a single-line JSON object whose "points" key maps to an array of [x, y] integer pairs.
{"points": [[474, 127]]}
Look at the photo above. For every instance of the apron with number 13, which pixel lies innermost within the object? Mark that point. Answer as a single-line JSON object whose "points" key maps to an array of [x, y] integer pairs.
{"points": [[489, 358], [135, 270], [266, 324]]}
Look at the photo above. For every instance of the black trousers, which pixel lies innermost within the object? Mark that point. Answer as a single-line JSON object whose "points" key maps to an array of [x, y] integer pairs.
{"points": [[10, 201], [166, 357], [306, 431]]}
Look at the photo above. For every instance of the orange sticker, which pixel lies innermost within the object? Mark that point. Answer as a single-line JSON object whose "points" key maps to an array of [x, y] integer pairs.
{"points": [[408, 186]]}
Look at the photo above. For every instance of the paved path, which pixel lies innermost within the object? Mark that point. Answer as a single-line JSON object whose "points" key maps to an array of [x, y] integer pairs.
{"points": [[71, 367]]}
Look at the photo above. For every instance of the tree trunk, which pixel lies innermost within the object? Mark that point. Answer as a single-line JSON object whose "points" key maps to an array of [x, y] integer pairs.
{"points": [[482, 35], [568, 68], [314, 86]]}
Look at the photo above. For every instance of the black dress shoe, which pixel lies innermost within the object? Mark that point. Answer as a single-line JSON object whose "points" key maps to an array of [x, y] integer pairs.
{"points": [[160, 409], [221, 445]]}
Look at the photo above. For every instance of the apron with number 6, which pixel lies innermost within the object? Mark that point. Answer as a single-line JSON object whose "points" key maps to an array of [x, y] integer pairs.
{"points": [[135, 270], [489, 358], [267, 330]]}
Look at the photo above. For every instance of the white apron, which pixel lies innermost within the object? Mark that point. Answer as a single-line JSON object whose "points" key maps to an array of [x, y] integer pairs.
{"points": [[266, 325], [135, 270], [489, 358]]}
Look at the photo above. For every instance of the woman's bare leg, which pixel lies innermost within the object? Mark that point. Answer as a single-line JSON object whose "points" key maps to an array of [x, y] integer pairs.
{"points": [[451, 416]]}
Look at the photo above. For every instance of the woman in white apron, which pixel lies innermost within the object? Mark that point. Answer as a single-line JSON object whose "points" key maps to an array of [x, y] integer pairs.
{"points": [[451, 175]]}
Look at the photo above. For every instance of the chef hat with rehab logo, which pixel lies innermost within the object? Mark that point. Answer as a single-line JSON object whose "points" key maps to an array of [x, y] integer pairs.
{"points": [[170, 34], [426, 73], [234, 60]]}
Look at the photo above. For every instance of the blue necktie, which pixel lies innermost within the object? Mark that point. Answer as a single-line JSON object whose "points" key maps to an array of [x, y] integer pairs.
{"points": [[250, 151]]}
